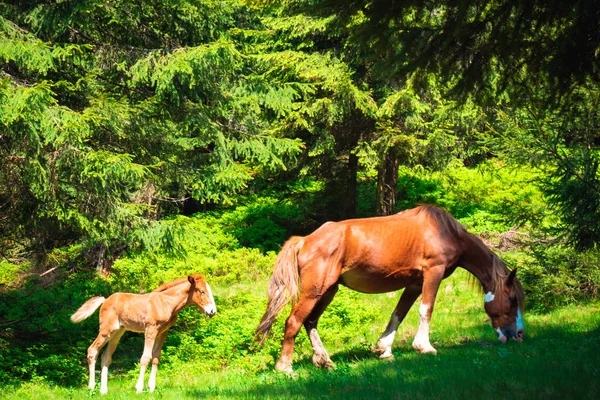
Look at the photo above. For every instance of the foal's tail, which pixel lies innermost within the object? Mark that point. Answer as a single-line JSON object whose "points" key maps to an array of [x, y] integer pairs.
{"points": [[87, 309], [283, 286]]}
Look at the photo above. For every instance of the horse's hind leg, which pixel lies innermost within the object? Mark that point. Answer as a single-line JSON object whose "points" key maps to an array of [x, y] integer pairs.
{"points": [[107, 358], [292, 326], [313, 289], [386, 340], [320, 356], [160, 340]]}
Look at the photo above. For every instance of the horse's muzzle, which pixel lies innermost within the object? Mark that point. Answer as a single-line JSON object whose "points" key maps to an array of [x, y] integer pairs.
{"points": [[503, 335], [519, 336], [210, 313]]}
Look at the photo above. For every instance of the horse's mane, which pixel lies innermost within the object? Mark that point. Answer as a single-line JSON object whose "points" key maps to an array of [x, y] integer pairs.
{"points": [[449, 226], [169, 285], [499, 274]]}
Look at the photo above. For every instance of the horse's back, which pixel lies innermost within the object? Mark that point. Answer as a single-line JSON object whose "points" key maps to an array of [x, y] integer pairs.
{"points": [[382, 254]]}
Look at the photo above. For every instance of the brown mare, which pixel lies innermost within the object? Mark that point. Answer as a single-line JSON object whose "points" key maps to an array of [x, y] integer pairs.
{"points": [[152, 313], [414, 249]]}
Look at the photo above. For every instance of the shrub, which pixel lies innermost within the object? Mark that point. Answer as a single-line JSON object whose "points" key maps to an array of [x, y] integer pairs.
{"points": [[553, 275]]}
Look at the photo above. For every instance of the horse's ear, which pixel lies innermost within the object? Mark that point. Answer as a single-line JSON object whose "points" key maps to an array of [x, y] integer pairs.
{"points": [[511, 278], [191, 280]]}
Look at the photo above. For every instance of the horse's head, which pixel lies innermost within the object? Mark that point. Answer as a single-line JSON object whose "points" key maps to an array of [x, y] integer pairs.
{"points": [[202, 295], [504, 309]]}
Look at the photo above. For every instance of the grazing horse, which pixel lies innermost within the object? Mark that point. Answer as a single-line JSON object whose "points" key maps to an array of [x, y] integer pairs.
{"points": [[414, 249], [152, 313]]}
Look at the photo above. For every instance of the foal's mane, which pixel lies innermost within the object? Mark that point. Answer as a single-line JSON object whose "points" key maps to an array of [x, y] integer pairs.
{"points": [[169, 285], [450, 227]]}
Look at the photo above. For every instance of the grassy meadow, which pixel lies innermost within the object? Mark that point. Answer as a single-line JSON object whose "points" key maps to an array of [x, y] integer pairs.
{"points": [[559, 358], [43, 355]]}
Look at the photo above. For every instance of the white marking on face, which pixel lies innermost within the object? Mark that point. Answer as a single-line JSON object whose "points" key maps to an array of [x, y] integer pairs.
{"points": [[211, 308], [520, 320], [501, 336], [489, 296]]}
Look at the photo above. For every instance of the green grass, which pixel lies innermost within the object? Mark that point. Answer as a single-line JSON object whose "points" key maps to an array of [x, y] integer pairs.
{"points": [[560, 357]]}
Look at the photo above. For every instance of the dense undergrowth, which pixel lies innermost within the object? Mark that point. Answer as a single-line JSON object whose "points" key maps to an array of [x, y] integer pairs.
{"points": [[235, 249]]}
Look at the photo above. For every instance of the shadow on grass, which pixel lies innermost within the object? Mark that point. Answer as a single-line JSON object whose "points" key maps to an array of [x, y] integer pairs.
{"points": [[552, 364]]}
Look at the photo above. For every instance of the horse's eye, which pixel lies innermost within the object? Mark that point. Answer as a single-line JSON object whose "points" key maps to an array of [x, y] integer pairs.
{"points": [[201, 291]]}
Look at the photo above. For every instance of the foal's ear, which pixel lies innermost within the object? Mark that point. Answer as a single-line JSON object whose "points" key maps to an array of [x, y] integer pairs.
{"points": [[191, 280]]}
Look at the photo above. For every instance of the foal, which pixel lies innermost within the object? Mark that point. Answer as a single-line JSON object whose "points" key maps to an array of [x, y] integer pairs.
{"points": [[152, 313]]}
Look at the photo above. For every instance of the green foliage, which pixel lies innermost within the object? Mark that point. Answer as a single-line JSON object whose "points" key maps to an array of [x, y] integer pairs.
{"points": [[207, 246], [561, 141], [490, 198], [111, 112], [265, 223], [554, 275]]}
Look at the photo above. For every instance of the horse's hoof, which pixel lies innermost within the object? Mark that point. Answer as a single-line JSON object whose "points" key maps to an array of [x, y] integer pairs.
{"points": [[322, 361], [386, 356], [426, 350], [283, 368]]}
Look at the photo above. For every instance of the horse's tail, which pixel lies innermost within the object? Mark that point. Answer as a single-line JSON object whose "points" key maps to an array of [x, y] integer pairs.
{"points": [[283, 286], [87, 309]]}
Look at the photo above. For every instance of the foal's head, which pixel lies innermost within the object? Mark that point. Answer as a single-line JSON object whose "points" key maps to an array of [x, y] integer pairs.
{"points": [[202, 295], [504, 308]]}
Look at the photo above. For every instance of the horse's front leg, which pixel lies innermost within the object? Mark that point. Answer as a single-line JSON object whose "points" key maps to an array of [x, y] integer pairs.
{"points": [[150, 337], [431, 283], [386, 340]]}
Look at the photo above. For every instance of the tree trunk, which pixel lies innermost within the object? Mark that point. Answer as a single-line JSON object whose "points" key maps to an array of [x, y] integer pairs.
{"points": [[349, 199], [387, 179]]}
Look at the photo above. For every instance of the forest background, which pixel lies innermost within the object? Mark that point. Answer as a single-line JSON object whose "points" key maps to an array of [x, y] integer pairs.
{"points": [[141, 141]]}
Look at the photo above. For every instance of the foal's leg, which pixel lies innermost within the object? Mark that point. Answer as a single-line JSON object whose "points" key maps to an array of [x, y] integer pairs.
{"points": [[384, 344], [431, 284], [92, 354], [107, 358], [150, 337], [320, 356], [160, 340]]}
